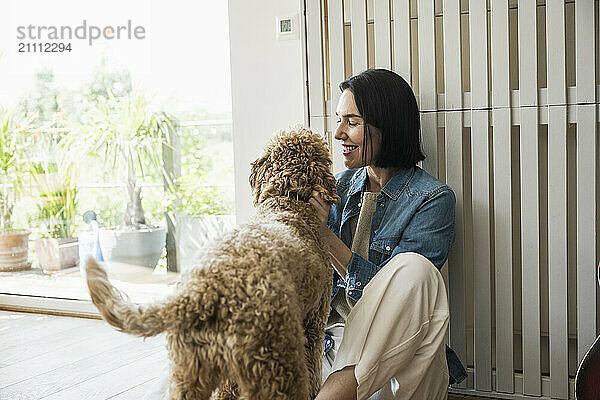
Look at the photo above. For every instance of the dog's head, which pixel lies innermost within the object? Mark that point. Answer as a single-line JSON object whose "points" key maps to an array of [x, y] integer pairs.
{"points": [[294, 163]]}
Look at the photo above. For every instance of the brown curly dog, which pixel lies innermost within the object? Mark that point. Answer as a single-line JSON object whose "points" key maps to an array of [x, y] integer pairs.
{"points": [[253, 310]]}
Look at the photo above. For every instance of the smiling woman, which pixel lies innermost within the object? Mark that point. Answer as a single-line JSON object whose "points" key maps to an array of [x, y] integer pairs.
{"points": [[357, 137], [391, 232], [388, 105]]}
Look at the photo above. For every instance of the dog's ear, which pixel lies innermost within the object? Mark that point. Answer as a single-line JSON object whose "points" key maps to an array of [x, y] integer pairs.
{"points": [[265, 180], [322, 180], [308, 166], [296, 162], [258, 170]]}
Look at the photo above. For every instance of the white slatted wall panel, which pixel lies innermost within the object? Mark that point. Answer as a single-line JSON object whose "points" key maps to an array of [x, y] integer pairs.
{"points": [[491, 110]]}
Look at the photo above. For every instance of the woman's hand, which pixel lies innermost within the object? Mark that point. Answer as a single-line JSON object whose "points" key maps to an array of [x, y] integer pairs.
{"points": [[321, 206], [339, 254]]}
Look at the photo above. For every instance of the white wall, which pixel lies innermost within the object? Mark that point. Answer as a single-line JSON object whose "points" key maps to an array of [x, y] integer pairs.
{"points": [[267, 84]]}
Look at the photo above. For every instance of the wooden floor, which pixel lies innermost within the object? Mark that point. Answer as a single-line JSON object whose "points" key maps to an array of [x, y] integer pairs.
{"points": [[66, 358], [51, 357]]}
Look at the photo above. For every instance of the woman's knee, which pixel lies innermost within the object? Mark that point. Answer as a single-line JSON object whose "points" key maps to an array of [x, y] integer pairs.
{"points": [[340, 385], [413, 265], [412, 273]]}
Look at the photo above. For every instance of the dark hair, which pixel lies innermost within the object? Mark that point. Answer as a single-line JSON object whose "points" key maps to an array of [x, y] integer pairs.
{"points": [[386, 101]]}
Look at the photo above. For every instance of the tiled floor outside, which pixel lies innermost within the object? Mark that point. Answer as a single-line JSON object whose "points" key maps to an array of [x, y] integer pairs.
{"points": [[140, 283]]}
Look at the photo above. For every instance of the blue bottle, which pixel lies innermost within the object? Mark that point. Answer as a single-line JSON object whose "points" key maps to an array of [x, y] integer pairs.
{"points": [[88, 242]]}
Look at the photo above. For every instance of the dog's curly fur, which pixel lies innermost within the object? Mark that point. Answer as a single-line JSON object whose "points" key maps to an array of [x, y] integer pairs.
{"points": [[254, 309]]}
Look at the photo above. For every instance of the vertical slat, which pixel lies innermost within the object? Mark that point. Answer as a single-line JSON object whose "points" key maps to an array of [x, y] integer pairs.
{"points": [[584, 51], [383, 48], [480, 170], [427, 65], [482, 319], [530, 211], [557, 199], [454, 172], [586, 175], [528, 91], [557, 251], [427, 85], [503, 250], [586, 227], [402, 65], [556, 57], [316, 85], [452, 53], [530, 250], [478, 29], [502, 196], [337, 73], [500, 54], [358, 22]]}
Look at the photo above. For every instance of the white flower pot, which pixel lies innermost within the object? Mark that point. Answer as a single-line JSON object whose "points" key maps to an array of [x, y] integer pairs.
{"points": [[138, 247], [193, 233]]}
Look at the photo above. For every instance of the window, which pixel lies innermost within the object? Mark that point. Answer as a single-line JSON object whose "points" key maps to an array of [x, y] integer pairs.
{"points": [[118, 118]]}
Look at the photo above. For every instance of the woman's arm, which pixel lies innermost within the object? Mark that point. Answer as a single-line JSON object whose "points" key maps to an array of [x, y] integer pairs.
{"points": [[430, 233], [339, 253]]}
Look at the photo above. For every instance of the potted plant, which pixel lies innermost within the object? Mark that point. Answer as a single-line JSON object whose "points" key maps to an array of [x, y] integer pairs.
{"points": [[14, 243], [128, 138], [57, 249], [203, 212]]}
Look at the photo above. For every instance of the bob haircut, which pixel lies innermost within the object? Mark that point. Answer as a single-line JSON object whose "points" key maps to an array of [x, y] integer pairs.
{"points": [[386, 102]]}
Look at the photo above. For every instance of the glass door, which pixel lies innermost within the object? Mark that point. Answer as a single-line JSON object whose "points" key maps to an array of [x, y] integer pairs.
{"points": [[117, 145]]}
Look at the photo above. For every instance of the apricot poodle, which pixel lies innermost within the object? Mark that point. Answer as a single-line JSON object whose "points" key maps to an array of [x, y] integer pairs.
{"points": [[252, 311]]}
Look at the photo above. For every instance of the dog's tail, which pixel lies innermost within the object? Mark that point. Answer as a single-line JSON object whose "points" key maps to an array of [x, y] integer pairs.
{"points": [[123, 314]]}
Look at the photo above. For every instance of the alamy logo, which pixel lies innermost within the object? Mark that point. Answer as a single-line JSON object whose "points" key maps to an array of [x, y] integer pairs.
{"points": [[84, 31]]}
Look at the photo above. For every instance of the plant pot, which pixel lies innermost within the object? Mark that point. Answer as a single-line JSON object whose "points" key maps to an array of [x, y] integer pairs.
{"points": [[138, 247], [57, 254], [13, 251]]}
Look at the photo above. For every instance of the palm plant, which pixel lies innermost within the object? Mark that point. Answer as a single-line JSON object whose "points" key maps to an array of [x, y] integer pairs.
{"points": [[58, 198], [128, 138], [12, 167]]}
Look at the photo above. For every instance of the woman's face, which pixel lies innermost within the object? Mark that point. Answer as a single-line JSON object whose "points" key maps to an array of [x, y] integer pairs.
{"points": [[350, 131]]}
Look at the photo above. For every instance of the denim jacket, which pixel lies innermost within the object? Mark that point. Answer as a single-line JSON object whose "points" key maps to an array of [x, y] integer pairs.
{"points": [[415, 213]]}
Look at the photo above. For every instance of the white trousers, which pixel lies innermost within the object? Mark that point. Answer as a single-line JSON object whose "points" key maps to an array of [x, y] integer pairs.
{"points": [[395, 335]]}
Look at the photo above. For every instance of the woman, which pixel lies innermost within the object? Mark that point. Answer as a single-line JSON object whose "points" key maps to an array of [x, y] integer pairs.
{"points": [[387, 239]]}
